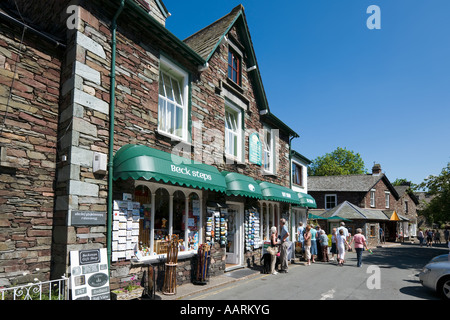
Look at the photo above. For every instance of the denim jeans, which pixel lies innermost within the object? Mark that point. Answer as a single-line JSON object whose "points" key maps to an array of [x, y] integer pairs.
{"points": [[359, 252]]}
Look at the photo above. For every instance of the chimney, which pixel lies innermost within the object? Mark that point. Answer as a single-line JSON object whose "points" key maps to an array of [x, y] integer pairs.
{"points": [[376, 169]]}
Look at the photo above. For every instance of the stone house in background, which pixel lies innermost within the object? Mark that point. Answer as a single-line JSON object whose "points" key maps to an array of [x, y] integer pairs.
{"points": [[368, 191], [95, 102]]}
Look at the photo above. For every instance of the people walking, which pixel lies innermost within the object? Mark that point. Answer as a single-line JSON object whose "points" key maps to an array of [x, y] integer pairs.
{"points": [[333, 244], [341, 246], [300, 231], [429, 234], [345, 230], [323, 239], [437, 237], [284, 241], [273, 249], [360, 244], [313, 244], [382, 239], [446, 235], [307, 242], [318, 243], [420, 237]]}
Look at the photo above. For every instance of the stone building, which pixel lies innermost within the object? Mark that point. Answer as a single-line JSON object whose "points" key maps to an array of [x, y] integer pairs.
{"points": [[108, 114]]}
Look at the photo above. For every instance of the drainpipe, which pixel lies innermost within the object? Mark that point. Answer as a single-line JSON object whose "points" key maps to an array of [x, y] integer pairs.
{"points": [[111, 129], [290, 186]]}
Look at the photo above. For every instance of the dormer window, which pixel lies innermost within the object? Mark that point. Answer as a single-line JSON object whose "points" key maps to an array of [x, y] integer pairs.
{"points": [[234, 66]]}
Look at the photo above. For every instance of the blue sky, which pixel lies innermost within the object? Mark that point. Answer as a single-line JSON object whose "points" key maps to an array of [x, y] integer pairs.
{"points": [[382, 93]]}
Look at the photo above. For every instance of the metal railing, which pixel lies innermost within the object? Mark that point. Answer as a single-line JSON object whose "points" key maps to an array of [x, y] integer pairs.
{"points": [[47, 290]]}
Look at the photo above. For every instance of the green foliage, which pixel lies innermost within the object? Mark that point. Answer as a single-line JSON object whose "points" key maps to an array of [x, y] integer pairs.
{"points": [[339, 162], [438, 209]]}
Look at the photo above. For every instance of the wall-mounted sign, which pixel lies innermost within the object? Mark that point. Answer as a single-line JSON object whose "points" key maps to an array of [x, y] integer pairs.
{"points": [[89, 275], [255, 149], [87, 218]]}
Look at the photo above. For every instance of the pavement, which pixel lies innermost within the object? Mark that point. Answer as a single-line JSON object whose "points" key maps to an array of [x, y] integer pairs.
{"points": [[187, 289]]}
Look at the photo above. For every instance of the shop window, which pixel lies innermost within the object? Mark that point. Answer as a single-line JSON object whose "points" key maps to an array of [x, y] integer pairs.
{"points": [[372, 231], [142, 195], [193, 221], [161, 223], [179, 209]]}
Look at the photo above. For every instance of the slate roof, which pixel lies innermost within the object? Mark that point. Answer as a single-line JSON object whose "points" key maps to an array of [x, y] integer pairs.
{"points": [[205, 41], [403, 189], [350, 211], [352, 182]]}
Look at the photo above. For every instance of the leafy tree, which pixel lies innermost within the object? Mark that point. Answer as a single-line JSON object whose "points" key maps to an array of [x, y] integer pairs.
{"points": [[404, 182], [339, 162], [438, 209]]}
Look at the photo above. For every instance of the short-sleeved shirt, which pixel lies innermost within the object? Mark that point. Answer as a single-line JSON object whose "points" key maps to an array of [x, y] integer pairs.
{"points": [[345, 232], [313, 234], [323, 240], [359, 240], [283, 232], [300, 234]]}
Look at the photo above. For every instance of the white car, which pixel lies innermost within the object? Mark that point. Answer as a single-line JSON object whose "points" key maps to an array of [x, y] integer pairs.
{"points": [[436, 275]]}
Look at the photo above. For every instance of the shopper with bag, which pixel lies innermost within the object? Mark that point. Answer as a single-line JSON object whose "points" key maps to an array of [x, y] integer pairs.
{"points": [[273, 249]]}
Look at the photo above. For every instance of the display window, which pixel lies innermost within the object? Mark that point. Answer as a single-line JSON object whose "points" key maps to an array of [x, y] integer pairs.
{"points": [[157, 211]]}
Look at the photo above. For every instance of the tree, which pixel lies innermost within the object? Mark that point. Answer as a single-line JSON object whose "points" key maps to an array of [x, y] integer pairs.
{"points": [[404, 182], [438, 209], [339, 162]]}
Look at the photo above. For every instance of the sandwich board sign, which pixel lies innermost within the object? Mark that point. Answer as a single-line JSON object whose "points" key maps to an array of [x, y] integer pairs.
{"points": [[89, 275]]}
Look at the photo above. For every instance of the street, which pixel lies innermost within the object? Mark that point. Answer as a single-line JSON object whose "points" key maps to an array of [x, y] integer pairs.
{"points": [[390, 273]]}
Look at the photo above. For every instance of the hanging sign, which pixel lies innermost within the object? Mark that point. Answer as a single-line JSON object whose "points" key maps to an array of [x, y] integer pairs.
{"points": [[89, 275], [255, 149]]}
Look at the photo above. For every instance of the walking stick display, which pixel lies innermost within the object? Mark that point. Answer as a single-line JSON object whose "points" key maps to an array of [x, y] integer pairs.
{"points": [[170, 277], [204, 259]]}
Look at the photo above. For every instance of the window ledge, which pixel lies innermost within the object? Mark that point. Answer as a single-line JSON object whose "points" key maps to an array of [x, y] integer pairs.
{"points": [[173, 137], [158, 258], [229, 159]]}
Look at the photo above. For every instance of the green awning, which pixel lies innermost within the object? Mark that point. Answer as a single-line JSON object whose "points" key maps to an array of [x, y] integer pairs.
{"points": [[274, 192], [306, 200], [137, 161], [315, 217], [241, 185]]}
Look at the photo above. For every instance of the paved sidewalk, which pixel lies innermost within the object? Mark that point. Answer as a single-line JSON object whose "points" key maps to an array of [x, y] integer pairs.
{"points": [[217, 281], [188, 289]]}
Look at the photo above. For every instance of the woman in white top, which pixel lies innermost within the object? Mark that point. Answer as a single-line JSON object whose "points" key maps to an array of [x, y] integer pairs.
{"points": [[341, 245]]}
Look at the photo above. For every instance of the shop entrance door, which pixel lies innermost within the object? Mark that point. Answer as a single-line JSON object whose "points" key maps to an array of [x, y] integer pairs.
{"points": [[234, 246]]}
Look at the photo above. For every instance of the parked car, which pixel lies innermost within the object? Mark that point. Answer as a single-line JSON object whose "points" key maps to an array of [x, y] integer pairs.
{"points": [[436, 275]]}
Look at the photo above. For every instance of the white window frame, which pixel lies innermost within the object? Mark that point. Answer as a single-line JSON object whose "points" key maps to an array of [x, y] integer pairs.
{"points": [[230, 108], [372, 198], [326, 202], [387, 199], [175, 73], [269, 149], [301, 168]]}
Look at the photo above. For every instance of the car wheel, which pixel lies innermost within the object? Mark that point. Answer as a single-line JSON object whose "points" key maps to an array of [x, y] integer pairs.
{"points": [[443, 288]]}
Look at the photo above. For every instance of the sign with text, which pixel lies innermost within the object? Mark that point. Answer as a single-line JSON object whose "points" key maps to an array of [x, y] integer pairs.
{"points": [[255, 149], [84, 218], [89, 275]]}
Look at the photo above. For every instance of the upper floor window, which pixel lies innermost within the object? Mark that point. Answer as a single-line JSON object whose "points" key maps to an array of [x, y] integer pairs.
{"points": [[172, 102], [297, 174], [386, 199], [330, 201], [234, 67], [233, 132], [372, 198], [268, 151]]}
